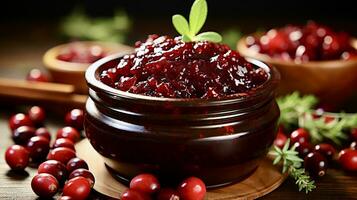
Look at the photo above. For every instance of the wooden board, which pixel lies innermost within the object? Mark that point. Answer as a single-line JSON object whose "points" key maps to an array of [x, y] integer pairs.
{"points": [[264, 180]]}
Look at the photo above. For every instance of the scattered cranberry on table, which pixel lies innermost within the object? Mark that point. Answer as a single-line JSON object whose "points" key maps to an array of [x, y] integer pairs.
{"points": [[75, 119], [38, 147], [280, 139], [62, 154], [63, 142], [43, 132], [326, 150], [17, 157], [44, 185], [146, 183], [77, 188], [22, 134], [69, 133], [303, 148], [18, 120], [55, 168], [81, 172], [168, 194], [37, 115], [348, 160], [192, 189], [76, 163], [37, 75], [315, 164], [300, 135]]}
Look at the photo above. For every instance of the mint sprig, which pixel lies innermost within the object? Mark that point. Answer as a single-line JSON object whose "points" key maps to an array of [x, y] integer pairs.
{"points": [[189, 30]]}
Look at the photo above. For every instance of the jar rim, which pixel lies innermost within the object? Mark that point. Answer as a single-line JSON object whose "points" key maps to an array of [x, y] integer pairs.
{"points": [[94, 83]]}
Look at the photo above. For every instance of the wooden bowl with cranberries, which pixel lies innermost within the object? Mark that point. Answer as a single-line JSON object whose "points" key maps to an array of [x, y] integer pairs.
{"points": [[312, 59], [67, 63]]}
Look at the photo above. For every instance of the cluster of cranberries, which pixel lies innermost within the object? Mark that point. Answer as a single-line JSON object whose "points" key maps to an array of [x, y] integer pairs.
{"points": [[147, 187], [80, 53], [301, 44], [57, 161], [317, 157], [168, 67]]}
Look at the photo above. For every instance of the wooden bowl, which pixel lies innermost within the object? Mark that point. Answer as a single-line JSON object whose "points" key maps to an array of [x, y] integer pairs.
{"points": [[332, 81], [72, 72]]}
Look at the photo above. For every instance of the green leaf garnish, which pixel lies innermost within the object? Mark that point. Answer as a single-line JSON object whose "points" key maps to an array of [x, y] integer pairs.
{"points": [[188, 31]]}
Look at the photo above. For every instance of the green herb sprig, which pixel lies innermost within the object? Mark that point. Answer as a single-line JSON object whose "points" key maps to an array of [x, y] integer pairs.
{"points": [[198, 15], [292, 165]]}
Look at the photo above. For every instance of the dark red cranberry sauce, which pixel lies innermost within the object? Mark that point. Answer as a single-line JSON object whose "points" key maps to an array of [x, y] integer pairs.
{"points": [[81, 53], [312, 42], [168, 67]]}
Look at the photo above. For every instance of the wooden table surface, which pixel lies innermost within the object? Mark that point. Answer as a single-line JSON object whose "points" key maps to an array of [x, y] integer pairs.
{"points": [[14, 58]]}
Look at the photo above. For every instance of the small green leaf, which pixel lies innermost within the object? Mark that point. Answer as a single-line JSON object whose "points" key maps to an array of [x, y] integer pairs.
{"points": [[208, 36], [180, 24], [198, 15], [186, 38]]}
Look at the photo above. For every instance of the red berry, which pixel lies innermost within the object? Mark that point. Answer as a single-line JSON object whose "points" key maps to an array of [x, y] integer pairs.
{"points": [[192, 189], [303, 148], [83, 173], [17, 157], [55, 168], [354, 134], [68, 132], [315, 164], [77, 188], [37, 115], [326, 149], [44, 185], [62, 154], [300, 135], [23, 134], [134, 195], [348, 160], [76, 163], [75, 118], [19, 120], [280, 140], [146, 183], [38, 147], [37, 75], [168, 194], [63, 142], [43, 132]]}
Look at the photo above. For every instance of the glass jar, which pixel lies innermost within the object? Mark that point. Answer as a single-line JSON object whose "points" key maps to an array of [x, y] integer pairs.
{"points": [[220, 141]]}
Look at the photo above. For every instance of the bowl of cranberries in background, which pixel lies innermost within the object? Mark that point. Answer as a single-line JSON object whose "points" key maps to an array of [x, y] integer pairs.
{"points": [[67, 63], [179, 109], [312, 59]]}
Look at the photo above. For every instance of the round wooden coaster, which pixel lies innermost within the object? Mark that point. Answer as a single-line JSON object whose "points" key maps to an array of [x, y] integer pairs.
{"points": [[264, 180]]}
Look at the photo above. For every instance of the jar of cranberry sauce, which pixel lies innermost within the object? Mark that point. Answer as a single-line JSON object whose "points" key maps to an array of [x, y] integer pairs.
{"points": [[218, 140]]}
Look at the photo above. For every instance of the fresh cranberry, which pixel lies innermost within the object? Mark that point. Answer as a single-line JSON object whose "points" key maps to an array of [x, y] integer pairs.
{"points": [[280, 140], [353, 145], [63, 142], [37, 115], [326, 149], [55, 168], [44, 185], [17, 157], [23, 134], [76, 163], [303, 148], [38, 146], [77, 188], [75, 118], [69, 132], [37, 75], [134, 195], [354, 134], [192, 189], [18, 120], [146, 183], [62, 154], [300, 135], [315, 164], [168, 194], [348, 160], [43, 132], [83, 173]]}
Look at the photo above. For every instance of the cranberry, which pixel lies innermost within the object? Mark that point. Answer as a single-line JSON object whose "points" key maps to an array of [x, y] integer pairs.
{"points": [[76, 163], [62, 154], [83, 173], [38, 146], [134, 195], [303, 148], [44, 185], [77, 188], [17, 157], [353, 145], [315, 164], [326, 149], [55, 168], [37, 75], [63, 142], [146, 183], [348, 160], [192, 189], [23, 134], [75, 118], [280, 140], [354, 134], [37, 115], [300, 135], [68, 132], [18, 120], [168, 194], [43, 132]]}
